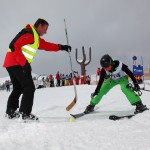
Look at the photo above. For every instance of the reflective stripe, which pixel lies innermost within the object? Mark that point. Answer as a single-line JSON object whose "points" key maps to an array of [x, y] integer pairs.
{"points": [[27, 55], [29, 48]]}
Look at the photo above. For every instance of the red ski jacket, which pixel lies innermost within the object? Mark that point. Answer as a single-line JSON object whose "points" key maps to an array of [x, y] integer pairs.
{"points": [[16, 57], [57, 76]]}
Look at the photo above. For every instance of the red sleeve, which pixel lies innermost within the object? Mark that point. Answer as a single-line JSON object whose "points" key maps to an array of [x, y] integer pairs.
{"points": [[43, 45], [23, 40]]}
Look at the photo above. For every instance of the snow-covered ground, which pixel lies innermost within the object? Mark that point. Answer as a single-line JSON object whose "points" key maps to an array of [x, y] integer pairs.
{"points": [[92, 132]]}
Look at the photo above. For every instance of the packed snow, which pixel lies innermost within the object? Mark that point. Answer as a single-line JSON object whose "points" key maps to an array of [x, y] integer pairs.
{"points": [[91, 132]]}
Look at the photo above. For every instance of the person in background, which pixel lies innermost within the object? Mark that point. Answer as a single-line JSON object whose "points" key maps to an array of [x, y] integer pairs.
{"points": [[77, 78], [58, 79], [71, 79], [88, 80], [66, 80], [97, 74], [63, 80], [98, 71], [51, 80], [7, 84], [22, 50]]}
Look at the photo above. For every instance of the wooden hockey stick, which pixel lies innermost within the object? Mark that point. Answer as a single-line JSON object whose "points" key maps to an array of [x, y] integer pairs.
{"points": [[74, 84]]}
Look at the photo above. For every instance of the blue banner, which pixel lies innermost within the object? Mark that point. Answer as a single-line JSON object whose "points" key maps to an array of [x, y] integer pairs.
{"points": [[138, 70]]}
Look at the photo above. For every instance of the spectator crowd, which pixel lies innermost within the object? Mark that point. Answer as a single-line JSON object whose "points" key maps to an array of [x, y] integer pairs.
{"points": [[61, 80]]}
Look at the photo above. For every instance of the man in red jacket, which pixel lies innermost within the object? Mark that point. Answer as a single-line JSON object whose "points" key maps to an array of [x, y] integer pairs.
{"points": [[21, 52]]}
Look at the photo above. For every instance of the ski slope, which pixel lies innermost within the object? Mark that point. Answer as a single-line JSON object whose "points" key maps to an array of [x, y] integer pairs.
{"points": [[94, 131]]}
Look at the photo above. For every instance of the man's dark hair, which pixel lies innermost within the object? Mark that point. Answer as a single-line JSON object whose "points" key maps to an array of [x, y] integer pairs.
{"points": [[40, 22]]}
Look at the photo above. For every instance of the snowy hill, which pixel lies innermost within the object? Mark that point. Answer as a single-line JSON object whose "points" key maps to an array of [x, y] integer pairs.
{"points": [[2, 80], [94, 131]]}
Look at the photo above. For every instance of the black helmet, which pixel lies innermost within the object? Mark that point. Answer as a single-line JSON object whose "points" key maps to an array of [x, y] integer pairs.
{"points": [[105, 61]]}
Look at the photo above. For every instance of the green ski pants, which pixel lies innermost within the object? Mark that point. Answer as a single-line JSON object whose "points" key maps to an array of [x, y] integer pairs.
{"points": [[109, 83]]}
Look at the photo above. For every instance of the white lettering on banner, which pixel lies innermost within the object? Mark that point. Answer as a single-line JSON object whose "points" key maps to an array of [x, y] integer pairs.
{"points": [[136, 70]]}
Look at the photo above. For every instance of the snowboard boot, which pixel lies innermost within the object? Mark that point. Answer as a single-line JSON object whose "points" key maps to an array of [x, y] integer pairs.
{"points": [[30, 117], [11, 114], [89, 109], [140, 108]]}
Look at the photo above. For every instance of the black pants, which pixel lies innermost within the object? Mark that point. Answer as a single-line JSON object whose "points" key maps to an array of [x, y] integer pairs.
{"points": [[22, 84]]}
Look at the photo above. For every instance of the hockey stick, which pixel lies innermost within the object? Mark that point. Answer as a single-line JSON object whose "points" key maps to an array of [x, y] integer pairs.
{"points": [[74, 84]]}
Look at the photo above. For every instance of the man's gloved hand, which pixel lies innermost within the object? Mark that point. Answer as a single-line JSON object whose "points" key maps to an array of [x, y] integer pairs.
{"points": [[66, 48], [26, 68], [136, 87]]}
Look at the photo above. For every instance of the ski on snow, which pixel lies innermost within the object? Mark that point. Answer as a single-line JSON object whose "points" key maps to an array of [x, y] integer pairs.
{"points": [[76, 116], [111, 117], [115, 117]]}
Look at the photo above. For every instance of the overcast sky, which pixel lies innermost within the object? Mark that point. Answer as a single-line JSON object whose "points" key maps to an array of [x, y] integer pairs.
{"points": [[120, 28]]}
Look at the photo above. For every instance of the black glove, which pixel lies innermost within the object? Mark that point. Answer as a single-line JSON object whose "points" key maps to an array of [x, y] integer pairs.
{"points": [[93, 94], [26, 68], [66, 48], [136, 87]]}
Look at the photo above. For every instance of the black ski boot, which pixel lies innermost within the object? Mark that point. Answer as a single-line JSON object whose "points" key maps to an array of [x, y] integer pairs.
{"points": [[10, 113], [89, 109], [30, 117], [140, 108]]}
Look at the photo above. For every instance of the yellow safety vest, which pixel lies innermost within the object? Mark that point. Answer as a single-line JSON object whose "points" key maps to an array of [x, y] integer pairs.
{"points": [[30, 50]]}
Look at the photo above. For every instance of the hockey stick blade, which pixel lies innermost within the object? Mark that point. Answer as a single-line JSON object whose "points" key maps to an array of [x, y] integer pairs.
{"points": [[71, 104], [75, 116]]}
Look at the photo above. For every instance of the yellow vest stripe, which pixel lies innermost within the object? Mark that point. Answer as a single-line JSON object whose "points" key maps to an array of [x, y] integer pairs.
{"points": [[29, 48], [27, 55]]}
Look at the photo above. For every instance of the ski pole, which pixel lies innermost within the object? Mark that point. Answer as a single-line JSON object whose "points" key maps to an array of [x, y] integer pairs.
{"points": [[133, 88], [145, 89], [143, 70]]}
